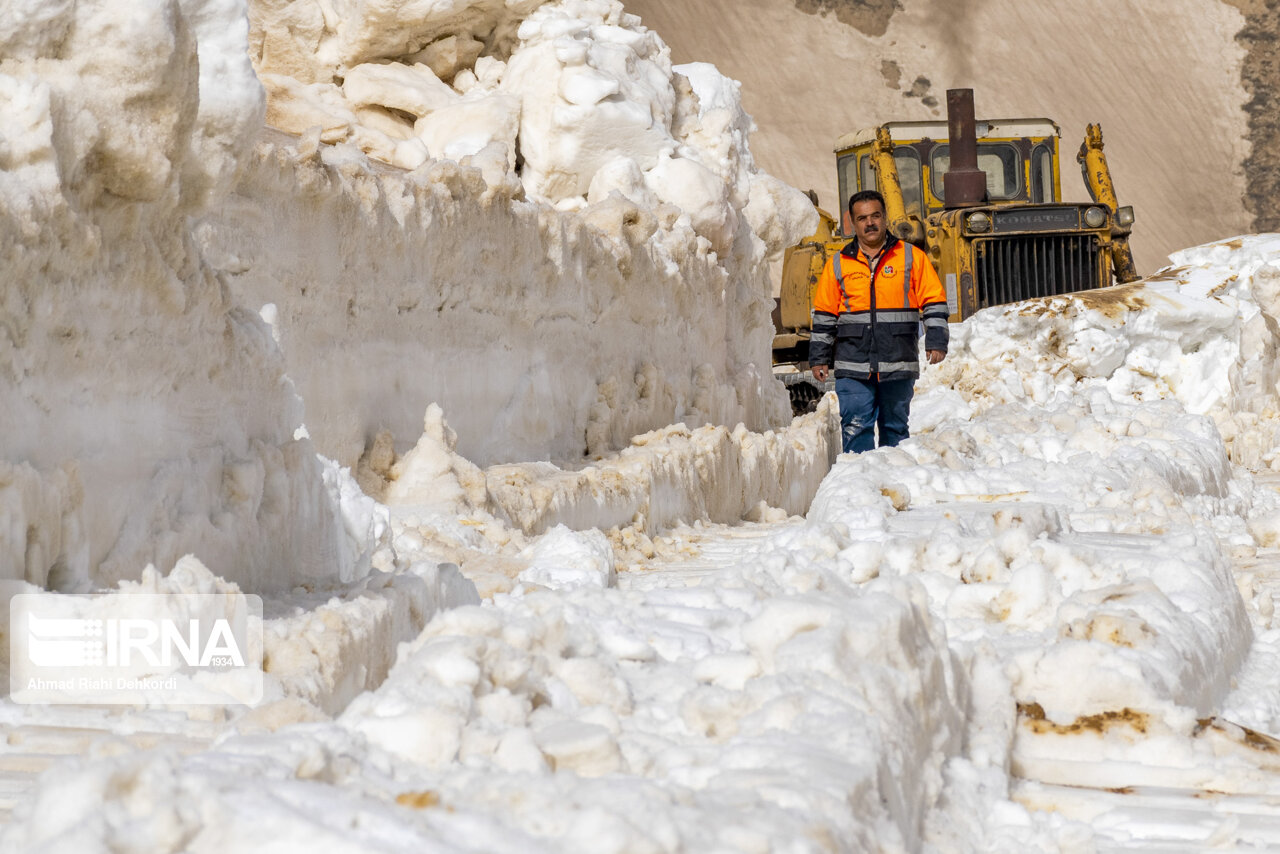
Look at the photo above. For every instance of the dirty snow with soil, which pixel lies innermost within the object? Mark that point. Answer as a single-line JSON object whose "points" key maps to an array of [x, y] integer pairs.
{"points": [[544, 591]]}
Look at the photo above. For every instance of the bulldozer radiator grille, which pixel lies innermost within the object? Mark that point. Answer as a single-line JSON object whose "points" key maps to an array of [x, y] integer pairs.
{"points": [[1009, 269]]}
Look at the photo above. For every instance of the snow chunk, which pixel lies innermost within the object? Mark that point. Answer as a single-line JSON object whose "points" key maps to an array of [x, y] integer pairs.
{"points": [[449, 55], [564, 558], [468, 126], [698, 191], [413, 89], [610, 97], [779, 214], [297, 107]]}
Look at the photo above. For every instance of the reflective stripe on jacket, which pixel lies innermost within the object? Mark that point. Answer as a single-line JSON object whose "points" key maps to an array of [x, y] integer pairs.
{"points": [[867, 321]]}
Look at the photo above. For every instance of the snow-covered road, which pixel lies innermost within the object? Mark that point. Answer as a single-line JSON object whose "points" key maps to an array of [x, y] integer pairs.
{"points": [[680, 592]]}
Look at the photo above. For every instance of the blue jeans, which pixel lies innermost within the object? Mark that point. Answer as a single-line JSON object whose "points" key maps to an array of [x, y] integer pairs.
{"points": [[866, 403]]}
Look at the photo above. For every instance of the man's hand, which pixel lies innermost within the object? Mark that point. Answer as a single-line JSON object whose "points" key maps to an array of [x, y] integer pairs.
{"points": [[819, 372], [935, 356]]}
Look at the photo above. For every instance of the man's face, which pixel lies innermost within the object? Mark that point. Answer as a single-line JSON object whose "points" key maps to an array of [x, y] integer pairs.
{"points": [[868, 223]]}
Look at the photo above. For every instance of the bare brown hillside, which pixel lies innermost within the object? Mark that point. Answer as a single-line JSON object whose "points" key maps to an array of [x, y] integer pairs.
{"points": [[1166, 78]]}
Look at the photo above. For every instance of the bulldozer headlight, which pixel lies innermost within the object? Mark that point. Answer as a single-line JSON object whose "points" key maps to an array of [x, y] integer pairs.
{"points": [[1124, 215], [977, 221], [1095, 217]]}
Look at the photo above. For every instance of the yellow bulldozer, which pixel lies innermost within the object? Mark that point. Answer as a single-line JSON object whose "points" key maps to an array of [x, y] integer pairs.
{"points": [[984, 200]]}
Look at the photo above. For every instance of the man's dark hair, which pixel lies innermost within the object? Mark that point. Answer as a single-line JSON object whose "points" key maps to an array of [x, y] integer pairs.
{"points": [[866, 196]]}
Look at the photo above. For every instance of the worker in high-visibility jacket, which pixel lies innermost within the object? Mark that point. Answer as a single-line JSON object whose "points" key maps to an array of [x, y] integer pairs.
{"points": [[867, 309]]}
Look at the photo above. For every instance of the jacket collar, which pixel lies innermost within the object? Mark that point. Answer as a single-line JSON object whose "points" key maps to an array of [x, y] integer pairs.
{"points": [[851, 249]]}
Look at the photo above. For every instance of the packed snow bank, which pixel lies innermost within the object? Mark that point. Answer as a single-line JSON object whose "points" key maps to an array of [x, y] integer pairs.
{"points": [[446, 509], [1201, 332], [327, 646], [1079, 556], [145, 414], [675, 475], [581, 258], [1077, 512], [1097, 527]]}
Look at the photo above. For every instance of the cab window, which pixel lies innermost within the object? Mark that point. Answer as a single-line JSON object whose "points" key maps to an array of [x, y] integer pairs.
{"points": [[999, 160], [908, 162], [1042, 174], [847, 168]]}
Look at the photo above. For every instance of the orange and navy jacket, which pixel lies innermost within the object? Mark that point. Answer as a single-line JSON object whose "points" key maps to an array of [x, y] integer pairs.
{"points": [[866, 320]]}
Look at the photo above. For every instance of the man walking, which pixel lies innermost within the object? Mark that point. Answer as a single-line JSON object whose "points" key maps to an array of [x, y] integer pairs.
{"points": [[867, 309]]}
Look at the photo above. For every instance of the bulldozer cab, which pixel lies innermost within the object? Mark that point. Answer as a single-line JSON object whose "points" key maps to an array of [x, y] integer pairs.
{"points": [[1018, 156]]}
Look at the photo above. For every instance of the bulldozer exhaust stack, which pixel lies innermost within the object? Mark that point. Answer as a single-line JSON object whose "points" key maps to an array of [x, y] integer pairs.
{"points": [[964, 184]]}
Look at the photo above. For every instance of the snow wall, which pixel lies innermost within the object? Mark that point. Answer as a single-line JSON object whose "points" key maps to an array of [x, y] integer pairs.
{"points": [[576, 257], [566, 248], [145, 414], [542, 335]]}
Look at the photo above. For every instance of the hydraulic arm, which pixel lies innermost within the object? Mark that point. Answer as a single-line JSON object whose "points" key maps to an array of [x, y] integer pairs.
{"points": [[1097, 178]]}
